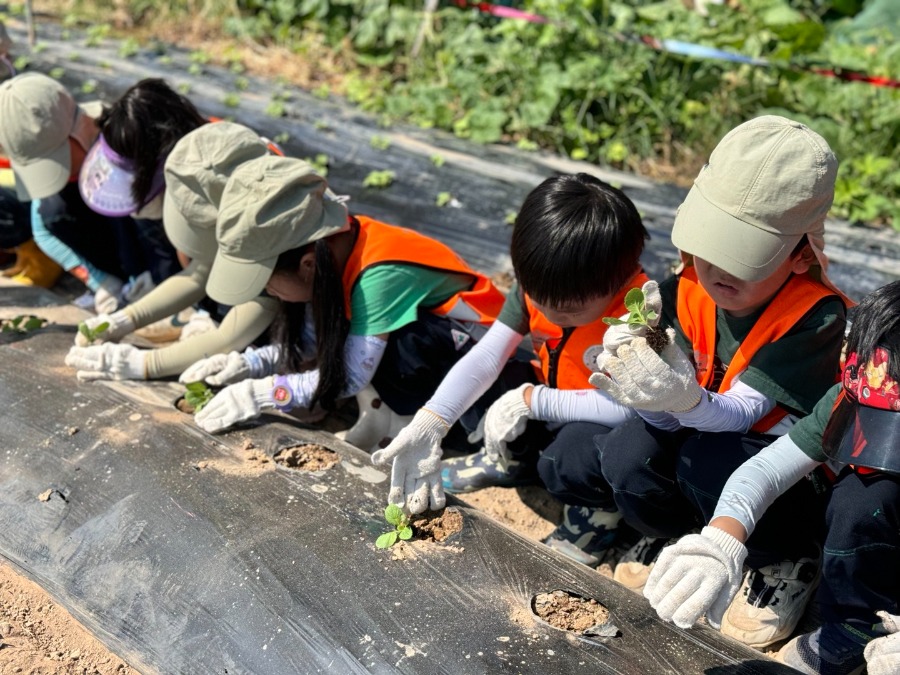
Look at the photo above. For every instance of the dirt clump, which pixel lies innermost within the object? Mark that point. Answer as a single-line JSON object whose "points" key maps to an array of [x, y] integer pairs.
{"points": [[437, 525], [184, 406], [567, 611], [308, 457]]}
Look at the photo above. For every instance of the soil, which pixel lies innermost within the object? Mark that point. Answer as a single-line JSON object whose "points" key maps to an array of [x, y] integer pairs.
{"points": [[530, 511], [657, 339], [308, 457], [39, 637], [184, 406], [567, 611], [437, 525]]}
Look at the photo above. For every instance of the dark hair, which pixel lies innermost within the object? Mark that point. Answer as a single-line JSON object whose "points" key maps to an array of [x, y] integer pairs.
{"points": [[876, 323], [144, 125], [329, 318], [576, 238]]}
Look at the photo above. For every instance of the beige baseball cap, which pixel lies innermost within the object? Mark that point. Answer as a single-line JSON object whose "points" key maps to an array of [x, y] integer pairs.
{"points": [[195, 175], [38, 116], [271, 205], [768, 182]]}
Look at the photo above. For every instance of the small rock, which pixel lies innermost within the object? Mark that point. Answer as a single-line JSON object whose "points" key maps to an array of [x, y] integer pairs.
{"points": [[45, 495], [75, 654], [72, 431], [5, 629]]}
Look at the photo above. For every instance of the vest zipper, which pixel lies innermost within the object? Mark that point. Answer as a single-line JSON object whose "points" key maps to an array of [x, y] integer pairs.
{"points": [[554, 356]]}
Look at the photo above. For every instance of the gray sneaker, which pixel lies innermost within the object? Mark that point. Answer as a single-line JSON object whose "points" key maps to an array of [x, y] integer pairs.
{"points": [[585, 534]]}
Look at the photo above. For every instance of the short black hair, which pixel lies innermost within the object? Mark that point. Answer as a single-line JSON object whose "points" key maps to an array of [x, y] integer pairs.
{"points": [[576, 238], [876, 323], [144, 124]]}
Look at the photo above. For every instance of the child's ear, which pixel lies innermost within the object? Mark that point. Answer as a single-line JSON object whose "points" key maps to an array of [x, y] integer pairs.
{"points": [[803, 260], [307, 267]]}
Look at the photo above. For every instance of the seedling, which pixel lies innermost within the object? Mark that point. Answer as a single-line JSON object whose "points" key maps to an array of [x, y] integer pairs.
{"points": [[640, 316], [197, 395], [232, 100], [57, 73], [380, 142], [241, 83], [395, 516], [319, 163], [282, 138], [275, 108], [23, 323], [438, 160], [89, 86], [379, 179], [128, 48], [443, 198], [510, 217], [323, 91], [92, 334]]}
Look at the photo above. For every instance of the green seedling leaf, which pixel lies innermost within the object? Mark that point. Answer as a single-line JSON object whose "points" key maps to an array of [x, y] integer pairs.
{"points": [[510, 217], [613, 321], [438, 160], [393, 514], [275, 108], [282, 138], [33, 323], [380, 142], [405, 533], [197, 395], [57, 73], [443, 198], [634, 300], [379, 179], [386, 540], [91, 334], [232, 100]]}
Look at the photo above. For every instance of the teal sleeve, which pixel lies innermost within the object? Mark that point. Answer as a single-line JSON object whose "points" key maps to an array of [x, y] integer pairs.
{"points": [[807, 432], [388, 297]]}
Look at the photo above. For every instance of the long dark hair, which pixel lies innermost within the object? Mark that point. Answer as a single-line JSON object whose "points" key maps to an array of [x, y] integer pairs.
{"points": [[329, 319], [144, 125], [575, 238], [876, 323]]}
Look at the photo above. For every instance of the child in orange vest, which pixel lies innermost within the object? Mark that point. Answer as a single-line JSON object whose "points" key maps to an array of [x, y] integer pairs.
{"points": [[575, 250], [362, 302], [853, 430], [763, 327]]}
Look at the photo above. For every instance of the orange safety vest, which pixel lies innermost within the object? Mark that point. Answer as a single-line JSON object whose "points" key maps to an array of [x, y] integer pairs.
{"points": [[381, 244], [697, 316], [568, 356]]}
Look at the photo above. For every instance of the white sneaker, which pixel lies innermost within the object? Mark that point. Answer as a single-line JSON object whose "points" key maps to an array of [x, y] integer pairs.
{"points": [[771, 601], [635, 565]]}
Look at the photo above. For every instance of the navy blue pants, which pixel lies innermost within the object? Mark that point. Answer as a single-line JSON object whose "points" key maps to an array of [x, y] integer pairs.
{"points": [[15, 219], [568, 465], [666, 483], [861, 565]]}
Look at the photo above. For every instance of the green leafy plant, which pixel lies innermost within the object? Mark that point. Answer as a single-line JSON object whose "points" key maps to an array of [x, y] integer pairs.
{"points": [[323, 91], [640, 316], [402, 530], [129, 47], [275, 108], [241, 83], [510, 217], [57, 73], [380, 142], [319, 163], [438, 160], [379, 179], [184, 88], [282, 138], [443, 198], [91, 334], [232, 100], [197, 395], [24, 323], [89, 86]]}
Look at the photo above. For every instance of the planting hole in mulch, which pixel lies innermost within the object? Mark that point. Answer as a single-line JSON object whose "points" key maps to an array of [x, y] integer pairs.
{"points": [[183, 406], [307, 457], [571, 612], [437, 525]]}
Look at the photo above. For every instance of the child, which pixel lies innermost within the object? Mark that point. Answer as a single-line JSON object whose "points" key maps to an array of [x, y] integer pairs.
{"points": [[388, 305], [855, 431], [196, 172], [575, 251], [46, 135], [763, 325]]}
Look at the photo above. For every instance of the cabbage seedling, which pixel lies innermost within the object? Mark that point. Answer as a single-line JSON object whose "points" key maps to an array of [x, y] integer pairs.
{"points": [[92, 334], [639, 316], [395, 516], [197, 395]]}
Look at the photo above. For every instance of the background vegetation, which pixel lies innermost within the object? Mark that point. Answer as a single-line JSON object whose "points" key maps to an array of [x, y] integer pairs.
{"points": [[580, 86]]}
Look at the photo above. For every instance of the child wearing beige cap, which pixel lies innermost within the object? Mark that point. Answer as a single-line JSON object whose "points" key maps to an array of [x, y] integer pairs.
{"points": [[196, 172], [755, 332], [46, 135], [363, 301]]}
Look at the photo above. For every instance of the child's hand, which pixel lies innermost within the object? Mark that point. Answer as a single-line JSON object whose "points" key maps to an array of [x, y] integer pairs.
{"points": [[218, 369], [697, 575], [623, 334], [883, 654], [236, 403], [503, 423], [641, 378], [108, 361]]}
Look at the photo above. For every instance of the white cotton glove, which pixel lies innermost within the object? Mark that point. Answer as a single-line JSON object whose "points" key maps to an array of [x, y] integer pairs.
{"points": [[109, 361], [622, 334], [883, 654], [416, 471], [119, 325], [640, 378], [108, 295], [503, 423], [236, 403], [697, 575], [218, 369], [138, 287]]}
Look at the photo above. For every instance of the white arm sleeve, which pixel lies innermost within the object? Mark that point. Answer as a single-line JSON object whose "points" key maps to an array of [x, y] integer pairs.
{"points": [[737, 409], [263, 360], [579, 405], [660, 420], [362, 354], [474, 373], [761, 479]]}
